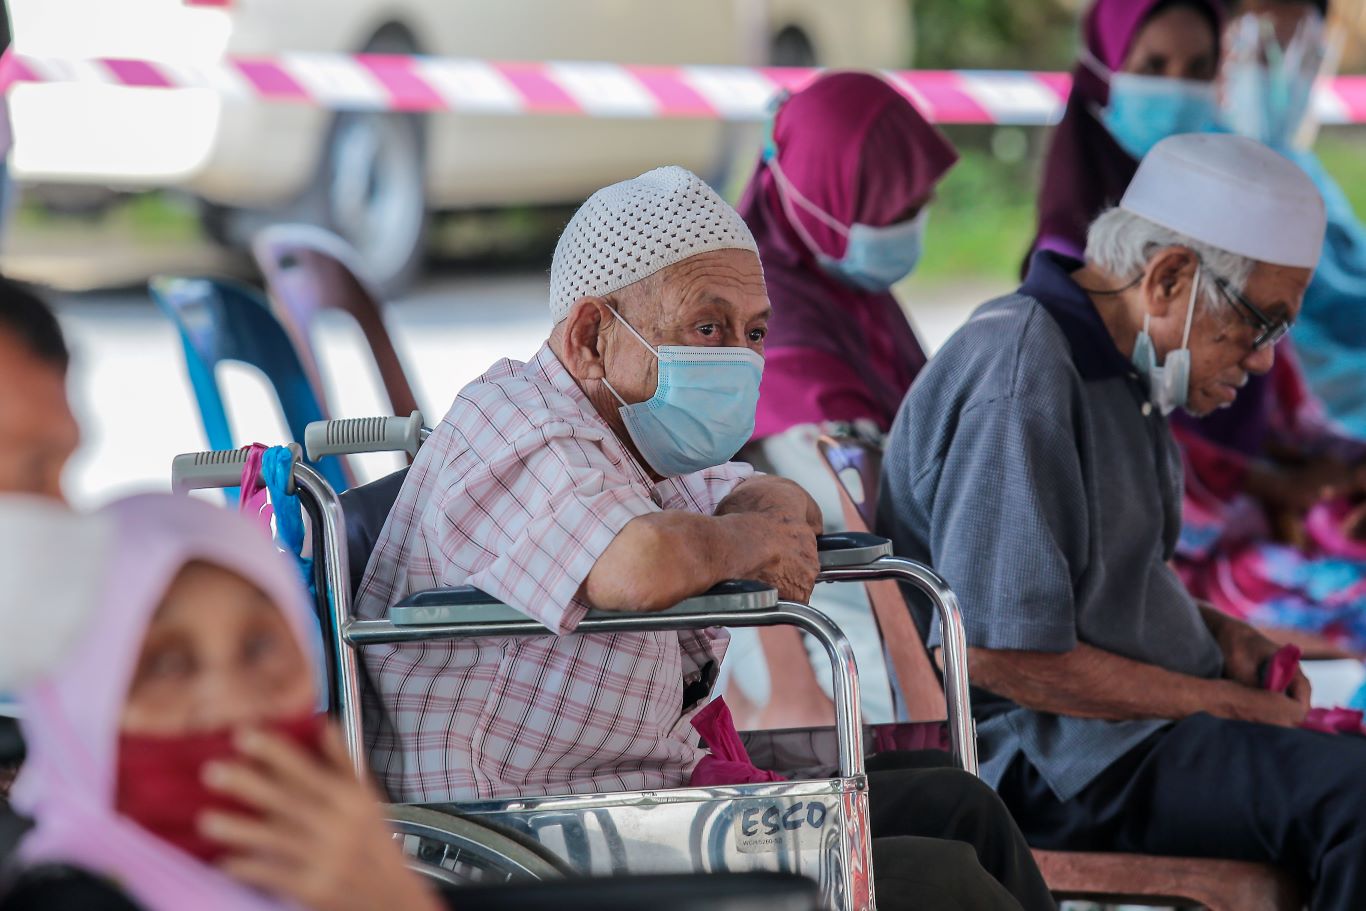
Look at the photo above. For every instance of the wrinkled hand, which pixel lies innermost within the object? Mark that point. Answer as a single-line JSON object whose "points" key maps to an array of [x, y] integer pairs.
{"points": [[788, 521], [1276, 709], [1245, 650], [321, 841], [769, 493], [793, 563]]}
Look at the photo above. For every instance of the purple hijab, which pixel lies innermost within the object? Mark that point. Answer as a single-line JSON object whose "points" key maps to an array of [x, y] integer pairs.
{"points": [[857, 148], [1087, 171]]}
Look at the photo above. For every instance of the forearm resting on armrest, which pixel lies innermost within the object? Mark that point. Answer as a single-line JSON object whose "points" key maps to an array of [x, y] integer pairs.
{"points": [[766, 530], [1088, 682], [661, 559]]}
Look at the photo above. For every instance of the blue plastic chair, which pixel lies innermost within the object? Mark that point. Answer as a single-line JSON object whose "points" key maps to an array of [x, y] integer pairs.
{"points": [[221, 320]]}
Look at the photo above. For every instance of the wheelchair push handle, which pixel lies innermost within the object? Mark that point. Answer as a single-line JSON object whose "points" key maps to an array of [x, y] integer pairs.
{"points": [[214, 468], [355, 435]]}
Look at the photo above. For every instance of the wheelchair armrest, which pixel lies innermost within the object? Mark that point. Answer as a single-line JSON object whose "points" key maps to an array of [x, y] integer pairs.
{"points": [[468, 605], [851, 548]]}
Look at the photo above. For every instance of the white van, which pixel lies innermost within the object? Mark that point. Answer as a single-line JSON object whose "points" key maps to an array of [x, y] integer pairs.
{"points": [[373, 177]]}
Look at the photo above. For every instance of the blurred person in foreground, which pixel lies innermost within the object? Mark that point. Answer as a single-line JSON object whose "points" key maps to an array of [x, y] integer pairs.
{"points": [[1032, 466], [598, 476], [838, 206], [38, 432], [38, 435], [176, 759]]}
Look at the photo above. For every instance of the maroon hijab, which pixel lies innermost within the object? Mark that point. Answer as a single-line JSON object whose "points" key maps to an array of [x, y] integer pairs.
{"points": [[857, 148], [1087, 171]]}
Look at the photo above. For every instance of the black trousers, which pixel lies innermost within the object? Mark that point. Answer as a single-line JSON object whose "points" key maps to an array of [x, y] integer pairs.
{"points": [[1208, 787], [944, 840]]}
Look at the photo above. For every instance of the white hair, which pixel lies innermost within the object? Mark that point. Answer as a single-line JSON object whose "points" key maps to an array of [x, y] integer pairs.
{"points": [[1121, 243]]}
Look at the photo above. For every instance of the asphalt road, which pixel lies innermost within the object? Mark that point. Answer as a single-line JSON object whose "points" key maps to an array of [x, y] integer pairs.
{"points": [[136, 409]]}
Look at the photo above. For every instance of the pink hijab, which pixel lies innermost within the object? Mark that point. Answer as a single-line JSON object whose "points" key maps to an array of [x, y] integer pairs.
{"points": [[71, 716], [858, 149]]}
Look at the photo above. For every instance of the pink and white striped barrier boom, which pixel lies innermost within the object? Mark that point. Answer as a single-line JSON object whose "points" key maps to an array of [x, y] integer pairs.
{"points": [[464, 86]]}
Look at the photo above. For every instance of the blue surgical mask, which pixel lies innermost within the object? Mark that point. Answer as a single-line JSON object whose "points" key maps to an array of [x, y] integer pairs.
{"points": [[1144, 110], [875, 258], [702, 411], [1169, 383]]}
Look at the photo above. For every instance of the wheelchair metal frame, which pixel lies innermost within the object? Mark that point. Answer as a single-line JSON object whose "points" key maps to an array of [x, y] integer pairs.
{"points": [[816, 827]]}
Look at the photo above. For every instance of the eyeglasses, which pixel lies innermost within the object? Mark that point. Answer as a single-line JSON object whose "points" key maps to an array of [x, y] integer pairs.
{"points": [[1269, 331]]}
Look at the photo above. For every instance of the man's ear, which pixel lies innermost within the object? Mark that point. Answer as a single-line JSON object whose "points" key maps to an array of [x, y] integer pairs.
{"points": [[1169, 278], [584, 339]]}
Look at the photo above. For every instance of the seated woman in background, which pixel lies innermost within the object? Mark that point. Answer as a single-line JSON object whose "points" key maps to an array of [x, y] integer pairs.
{"points": [[1276, 51], [175, 756], [1146, 71], [838, 206], [1273, 521]]}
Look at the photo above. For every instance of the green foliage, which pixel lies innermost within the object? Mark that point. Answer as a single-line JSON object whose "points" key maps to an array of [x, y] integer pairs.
{"points": [[982, 219], [994, 34], [1343, 153]]}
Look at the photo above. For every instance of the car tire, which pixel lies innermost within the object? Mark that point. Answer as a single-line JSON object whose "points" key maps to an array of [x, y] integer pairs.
{"points": [[371, 185], [372, 191]]}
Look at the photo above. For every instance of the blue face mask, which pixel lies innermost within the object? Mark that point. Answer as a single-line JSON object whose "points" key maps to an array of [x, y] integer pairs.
{"points": [[702, 411], [1144, 110], [877, 258], [1169, 382]]}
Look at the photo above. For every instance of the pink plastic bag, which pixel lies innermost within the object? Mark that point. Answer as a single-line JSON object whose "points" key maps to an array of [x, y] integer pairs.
{"points": [[728, 762], [255, 499], [1281, 670]]}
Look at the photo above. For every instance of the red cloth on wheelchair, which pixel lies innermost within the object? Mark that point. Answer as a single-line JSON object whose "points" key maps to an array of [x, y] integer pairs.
{"points": [[728, 762]]}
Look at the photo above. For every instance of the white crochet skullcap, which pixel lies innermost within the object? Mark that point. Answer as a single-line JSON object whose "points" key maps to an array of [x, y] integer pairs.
{"points": [[635, 228]]}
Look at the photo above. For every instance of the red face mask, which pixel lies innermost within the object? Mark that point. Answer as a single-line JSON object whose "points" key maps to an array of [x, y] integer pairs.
{"points": [[160, 784]]}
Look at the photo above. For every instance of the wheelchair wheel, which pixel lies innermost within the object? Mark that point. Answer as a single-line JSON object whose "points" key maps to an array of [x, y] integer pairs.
{"points": [[460, 852]]}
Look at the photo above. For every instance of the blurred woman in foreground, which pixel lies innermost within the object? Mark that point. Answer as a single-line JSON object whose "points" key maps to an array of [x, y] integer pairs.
{"points": [[176, 758]]}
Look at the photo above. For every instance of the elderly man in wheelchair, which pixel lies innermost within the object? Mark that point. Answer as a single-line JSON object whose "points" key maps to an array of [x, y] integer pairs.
{"points": [[595, 477]]}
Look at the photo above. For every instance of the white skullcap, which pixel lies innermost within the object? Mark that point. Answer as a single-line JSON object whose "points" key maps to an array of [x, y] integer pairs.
{"points": [[1234, 194], [635, 228], [53, 562]]}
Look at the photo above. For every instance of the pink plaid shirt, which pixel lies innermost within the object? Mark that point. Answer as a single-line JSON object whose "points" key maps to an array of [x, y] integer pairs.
{"points": [[518, 492]]}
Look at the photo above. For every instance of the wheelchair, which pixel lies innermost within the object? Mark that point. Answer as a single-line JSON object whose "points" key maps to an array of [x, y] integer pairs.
{"points": [[815, 825]]}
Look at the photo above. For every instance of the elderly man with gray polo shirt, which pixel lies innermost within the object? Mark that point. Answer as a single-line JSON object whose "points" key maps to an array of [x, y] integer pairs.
{"points": [[1033, 466]]}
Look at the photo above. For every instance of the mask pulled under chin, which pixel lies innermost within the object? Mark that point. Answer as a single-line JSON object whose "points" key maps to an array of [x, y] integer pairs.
{"points": [[160, 781], [1168, 383]]}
